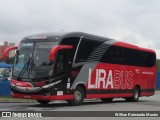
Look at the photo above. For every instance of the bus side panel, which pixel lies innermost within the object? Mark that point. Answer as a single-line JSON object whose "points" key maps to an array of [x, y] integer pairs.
{"points": [[112, 80], [148, 77]]}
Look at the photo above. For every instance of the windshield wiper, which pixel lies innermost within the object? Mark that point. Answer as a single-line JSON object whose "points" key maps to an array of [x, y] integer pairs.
{"points": [[23, 69]]}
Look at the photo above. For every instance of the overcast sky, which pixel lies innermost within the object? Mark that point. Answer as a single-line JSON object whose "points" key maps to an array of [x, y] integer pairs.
{"points": [[132, 21]]}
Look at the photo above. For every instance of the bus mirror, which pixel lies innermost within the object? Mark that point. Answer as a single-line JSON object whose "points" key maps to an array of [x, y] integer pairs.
{"points": [[55, 49], [6, 52]]}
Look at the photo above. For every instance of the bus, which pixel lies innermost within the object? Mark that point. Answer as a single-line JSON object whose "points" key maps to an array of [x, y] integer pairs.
{"points": [[75, 66]]}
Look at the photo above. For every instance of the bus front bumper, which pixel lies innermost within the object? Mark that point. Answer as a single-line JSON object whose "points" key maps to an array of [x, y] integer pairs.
{"points": [[42, 97], [32, 89]]}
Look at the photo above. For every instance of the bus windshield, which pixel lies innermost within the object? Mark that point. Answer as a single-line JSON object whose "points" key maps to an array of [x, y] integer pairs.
{"points": [[32, 60]]}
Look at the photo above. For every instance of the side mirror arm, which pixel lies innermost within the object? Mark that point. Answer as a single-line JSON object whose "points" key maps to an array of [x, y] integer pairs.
{"points": [[5, 54], [55, 49]]}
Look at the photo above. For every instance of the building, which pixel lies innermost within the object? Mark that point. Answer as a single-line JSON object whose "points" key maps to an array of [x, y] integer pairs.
{"points": [[3, 47]]}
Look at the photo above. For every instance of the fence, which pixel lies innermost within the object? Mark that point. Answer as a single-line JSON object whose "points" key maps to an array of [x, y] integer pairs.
{"points": [[5, 89], [158, 80]]}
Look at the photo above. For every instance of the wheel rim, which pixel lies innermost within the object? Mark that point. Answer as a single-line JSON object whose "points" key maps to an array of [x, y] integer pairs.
{"points": [[77, 96], [136, 94]]}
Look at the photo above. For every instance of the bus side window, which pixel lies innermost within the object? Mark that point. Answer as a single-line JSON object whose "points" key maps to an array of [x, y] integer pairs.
{"points": [[62, 62], [118, 55], [150, 60], [115, 55], [86, 47]]}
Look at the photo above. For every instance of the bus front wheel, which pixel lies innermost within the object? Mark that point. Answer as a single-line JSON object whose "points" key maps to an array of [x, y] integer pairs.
{"points": [[78, 97], [43, 102]]}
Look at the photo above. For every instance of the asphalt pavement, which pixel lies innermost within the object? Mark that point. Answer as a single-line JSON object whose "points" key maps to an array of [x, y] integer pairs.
{"points": [[151, 103]]}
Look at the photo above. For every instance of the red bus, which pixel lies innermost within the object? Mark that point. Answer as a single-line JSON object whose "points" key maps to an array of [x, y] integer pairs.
{"points": [[74, 66]]}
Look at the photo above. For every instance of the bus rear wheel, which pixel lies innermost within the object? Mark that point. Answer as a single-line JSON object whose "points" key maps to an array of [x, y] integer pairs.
{"points": [[78, 97], [43, 102], [136, 94], [106, 100]]}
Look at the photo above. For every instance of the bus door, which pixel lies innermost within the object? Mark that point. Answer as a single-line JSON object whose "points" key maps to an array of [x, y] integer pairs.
{"points": [[62, 69]]}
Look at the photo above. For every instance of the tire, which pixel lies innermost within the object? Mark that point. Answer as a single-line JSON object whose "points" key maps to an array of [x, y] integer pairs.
{"points": [[43, 102], [78, 97], [106, 100], [136, 94]]}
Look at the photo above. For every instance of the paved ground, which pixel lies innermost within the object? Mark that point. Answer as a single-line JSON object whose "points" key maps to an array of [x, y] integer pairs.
{"points": [[157, 92], [145, 104]]}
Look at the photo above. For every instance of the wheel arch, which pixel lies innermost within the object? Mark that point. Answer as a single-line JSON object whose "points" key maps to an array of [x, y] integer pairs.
{"points": [[137, 85], [83, 86]]}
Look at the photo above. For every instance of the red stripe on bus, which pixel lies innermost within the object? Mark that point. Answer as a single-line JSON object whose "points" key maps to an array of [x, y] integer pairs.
{"points": [[41, 97], [22, 84], [89, 96]]}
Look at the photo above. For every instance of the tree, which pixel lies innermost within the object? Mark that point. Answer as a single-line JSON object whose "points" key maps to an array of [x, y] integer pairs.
{"points": [[158, 64]]}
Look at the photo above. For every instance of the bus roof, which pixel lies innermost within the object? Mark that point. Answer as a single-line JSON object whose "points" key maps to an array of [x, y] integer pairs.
{"points": [[131, 46], [61, 35]]}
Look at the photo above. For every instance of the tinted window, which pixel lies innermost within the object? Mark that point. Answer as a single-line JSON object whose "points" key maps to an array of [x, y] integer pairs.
{"points": [[61, 63], [114, 55], [86, 47], [151, 59], [126, 56], [73, 41]]}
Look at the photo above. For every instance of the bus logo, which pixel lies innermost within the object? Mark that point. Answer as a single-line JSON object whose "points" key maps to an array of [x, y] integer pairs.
{"points": [[115, 79]]}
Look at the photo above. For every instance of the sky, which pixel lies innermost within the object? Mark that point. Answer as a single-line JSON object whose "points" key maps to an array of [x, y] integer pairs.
{"points": [[133, 21]]}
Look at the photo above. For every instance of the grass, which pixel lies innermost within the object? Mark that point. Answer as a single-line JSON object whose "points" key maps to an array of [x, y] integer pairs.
{"points": [[10, 99]]}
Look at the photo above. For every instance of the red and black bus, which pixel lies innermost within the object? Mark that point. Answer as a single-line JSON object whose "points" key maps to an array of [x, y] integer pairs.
{"points": [[74, 66]]}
